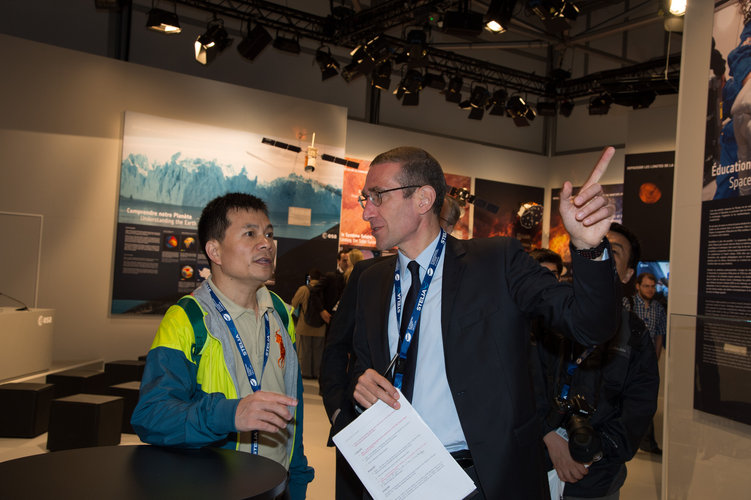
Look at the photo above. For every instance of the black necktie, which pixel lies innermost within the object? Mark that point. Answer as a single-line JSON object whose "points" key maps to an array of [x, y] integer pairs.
{"points": [[408, 381]]}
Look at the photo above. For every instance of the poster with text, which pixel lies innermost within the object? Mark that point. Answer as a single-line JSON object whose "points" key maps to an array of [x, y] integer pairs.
{"points": [[648, 201], [171, 169], [722, 384]]}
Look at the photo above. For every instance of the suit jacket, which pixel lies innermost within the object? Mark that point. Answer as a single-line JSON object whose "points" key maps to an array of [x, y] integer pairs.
{"points": [[490, 289], [338, 358]]}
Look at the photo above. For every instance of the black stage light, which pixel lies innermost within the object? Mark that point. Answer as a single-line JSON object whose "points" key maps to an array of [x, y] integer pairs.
{"points": [[519, 111], [547, 108], [462, 23], [497, 102], [213, 41], [499, 15], [409, 88], [566, 107], [476, 113], [636, 99], [434, 81], [415, 53], [365, 57], [412, 81], [381, 77], [555, 14], [411, 99], [350, 72], [600, 104], [329, 66], [254, 42], [163, 21], [287, 44], [479, 96], [454, 91]]}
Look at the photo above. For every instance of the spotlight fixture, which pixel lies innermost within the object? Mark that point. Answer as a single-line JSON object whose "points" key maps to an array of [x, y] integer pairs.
{"points": [[475, 113], [546, 108], [329, 66], [409, 88], [566, 107], [411, 99], [381, 77], [677, 7], [215, 40], [478, 99], [479, 96], [519, 111], [254, 42], [462, 22], [415, 54], [434, 81], [499, 15], [636, 99], [497, 102], [555, 14], [287, 44], [600, 104], [163, 21], [454, 91], [365, 57]]}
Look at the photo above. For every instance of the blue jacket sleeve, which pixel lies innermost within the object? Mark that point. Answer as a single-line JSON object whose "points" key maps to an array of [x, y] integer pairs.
{"points": [[300, 473], [172, 409]]}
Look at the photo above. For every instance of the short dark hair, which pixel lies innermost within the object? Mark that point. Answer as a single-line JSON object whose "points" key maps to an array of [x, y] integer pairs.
{"points": [[543, 255], [635, 253], [649, 275], [314, 274], [418, 168], [214, 222]]}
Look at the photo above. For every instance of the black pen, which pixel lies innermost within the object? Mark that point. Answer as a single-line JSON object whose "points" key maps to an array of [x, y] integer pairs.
{"points": [[391, 365]]}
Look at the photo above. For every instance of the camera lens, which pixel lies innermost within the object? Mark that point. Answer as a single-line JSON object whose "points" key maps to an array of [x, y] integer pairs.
{"points": [[583, 442]]}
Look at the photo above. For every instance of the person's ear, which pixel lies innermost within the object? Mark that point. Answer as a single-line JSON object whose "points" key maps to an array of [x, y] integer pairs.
{"points": [[426, 198], [214, 252]]}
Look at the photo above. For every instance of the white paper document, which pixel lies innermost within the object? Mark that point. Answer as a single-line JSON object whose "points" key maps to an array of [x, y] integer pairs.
{"points": [[397, 457]]}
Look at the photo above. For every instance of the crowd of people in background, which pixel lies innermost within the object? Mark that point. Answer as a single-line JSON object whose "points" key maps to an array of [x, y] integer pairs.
{"points": [[587, 343]]}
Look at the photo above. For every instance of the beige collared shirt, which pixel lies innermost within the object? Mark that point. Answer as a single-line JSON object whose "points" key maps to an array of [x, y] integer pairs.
{"points": [[253, 334]]}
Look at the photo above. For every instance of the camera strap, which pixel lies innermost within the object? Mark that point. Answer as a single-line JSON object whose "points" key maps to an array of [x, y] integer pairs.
{"points": [[571, 368]]}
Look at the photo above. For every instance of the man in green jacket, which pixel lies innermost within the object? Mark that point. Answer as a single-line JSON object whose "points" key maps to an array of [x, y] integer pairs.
{"points": [[223, 370]]}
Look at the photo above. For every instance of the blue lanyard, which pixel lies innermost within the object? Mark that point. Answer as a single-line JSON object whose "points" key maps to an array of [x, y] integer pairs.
{"points": [[254, 384], [415, 314]]}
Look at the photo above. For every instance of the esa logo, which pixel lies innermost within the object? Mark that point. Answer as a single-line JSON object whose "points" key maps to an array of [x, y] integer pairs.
{"points": [[329, 236], [226, 317], [44, 320]]}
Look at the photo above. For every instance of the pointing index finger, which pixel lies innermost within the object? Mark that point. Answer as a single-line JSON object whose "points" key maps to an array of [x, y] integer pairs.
{"points": [[600, 167]]}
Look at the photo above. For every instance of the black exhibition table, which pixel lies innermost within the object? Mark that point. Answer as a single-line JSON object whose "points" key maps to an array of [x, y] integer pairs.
{"points": [[142, 472]]}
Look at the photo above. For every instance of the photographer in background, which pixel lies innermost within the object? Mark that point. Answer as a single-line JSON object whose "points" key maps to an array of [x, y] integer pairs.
{"points": [[596, 403]]}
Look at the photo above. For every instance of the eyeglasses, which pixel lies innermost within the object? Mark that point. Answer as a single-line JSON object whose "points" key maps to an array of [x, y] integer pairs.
{"points": [[375, 196]]}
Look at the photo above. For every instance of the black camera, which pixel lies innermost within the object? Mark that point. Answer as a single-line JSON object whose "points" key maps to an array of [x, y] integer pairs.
{"points": [[573, 415]]}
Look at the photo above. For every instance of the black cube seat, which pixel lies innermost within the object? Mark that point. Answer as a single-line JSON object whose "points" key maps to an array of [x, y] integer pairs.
{"points": [[84, 420], [129, 392], [126, 370], [25, 409], [78, 381]]}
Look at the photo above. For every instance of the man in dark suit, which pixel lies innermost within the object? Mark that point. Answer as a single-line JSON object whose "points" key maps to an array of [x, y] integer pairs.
{"points": [[469, 377], [336, 384]]}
